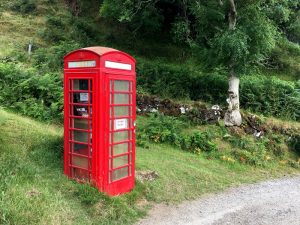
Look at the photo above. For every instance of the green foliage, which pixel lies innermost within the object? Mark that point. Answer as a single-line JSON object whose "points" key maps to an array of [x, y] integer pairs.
{"points": [[247, 45], [294, 143], [253, 152], [231, 45], [198, 142], [285, 57], [32, 94], [24, 6], [267, 95], [67, 28], [165, 129], [181, 31], [165, 80], [204, 26], [286, 15], [270, 96], [51, 58], [138, 15]]}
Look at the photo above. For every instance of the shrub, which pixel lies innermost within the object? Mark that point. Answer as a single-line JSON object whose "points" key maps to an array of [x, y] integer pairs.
{"points": [[52, 58], [294, 143], [258, 93], [270, 96], [57, 29], [165, 129], [165, 80], [249, 151], [32, 94], [24, 6]]}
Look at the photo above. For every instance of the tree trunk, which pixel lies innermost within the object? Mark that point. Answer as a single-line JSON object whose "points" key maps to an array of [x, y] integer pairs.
{"points": [[233, 116]]}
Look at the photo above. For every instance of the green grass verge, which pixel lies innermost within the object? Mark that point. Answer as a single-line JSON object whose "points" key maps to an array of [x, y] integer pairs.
{"points": [[33, 189]]}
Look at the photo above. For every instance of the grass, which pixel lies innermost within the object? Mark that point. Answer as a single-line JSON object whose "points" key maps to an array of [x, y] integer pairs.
{"points": [[18, 29], [33, 189], [184, 176]]}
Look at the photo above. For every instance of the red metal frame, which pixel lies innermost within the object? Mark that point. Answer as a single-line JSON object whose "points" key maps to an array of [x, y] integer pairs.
{"points": [[100, 120]]}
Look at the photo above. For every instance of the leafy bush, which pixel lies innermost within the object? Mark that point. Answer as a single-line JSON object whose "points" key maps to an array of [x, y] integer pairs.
{"points": [[258, 93], [294, 143], [253, 153], [165, 129], [165, 80], [32, 94], [197, 142], [68, 28], [24, 6], [52, 58], [270, 96], [57, 29]]}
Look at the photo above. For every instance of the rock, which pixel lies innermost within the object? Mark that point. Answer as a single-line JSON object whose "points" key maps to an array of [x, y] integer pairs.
{"points": [[147, 175]]}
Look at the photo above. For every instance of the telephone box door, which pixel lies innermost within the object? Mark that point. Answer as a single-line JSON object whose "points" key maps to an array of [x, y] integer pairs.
{"points": [[79, 97], [121, 127]]}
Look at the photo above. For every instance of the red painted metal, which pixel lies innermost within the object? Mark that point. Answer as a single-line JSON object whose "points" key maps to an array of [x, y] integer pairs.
{"points": [[99, 118]]}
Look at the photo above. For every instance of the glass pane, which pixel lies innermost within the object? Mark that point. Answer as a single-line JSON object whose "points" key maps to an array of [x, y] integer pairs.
{"points": [[120, 148], [80, 174], [120, 136], [81, 124], [120, 173], [80, 162], [80, 111], [78, 148], [121, 110], [80, 136], [121, 99], [121, 85], [120, 161], [81, 84], [82, 97], [120, 124]]}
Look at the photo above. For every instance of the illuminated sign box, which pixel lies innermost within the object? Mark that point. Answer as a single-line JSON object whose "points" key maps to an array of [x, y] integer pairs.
{"points": [[115, 65], [82, 64]]}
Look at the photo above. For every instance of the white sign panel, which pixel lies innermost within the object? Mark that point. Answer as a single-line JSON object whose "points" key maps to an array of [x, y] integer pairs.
{"points": [[81, 64], [120, 124], [116, 65], [84, 97]]}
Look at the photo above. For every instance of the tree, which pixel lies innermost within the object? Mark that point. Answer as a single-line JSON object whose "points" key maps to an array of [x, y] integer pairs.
{"points": [[233, 34]]}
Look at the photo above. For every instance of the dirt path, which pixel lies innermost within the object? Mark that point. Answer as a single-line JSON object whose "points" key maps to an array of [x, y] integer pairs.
{"points": [[275, 202]]}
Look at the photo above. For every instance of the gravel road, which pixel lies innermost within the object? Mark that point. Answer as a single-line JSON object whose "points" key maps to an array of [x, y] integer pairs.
{"points": [[275, 202]]}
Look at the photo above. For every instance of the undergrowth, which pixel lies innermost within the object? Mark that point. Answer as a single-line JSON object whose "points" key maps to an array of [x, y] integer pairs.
{"points": [[164, 129], [240, 148]]}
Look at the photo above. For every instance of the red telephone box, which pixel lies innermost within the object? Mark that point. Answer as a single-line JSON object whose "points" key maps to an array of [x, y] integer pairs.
{"points": [[99, 121]]}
